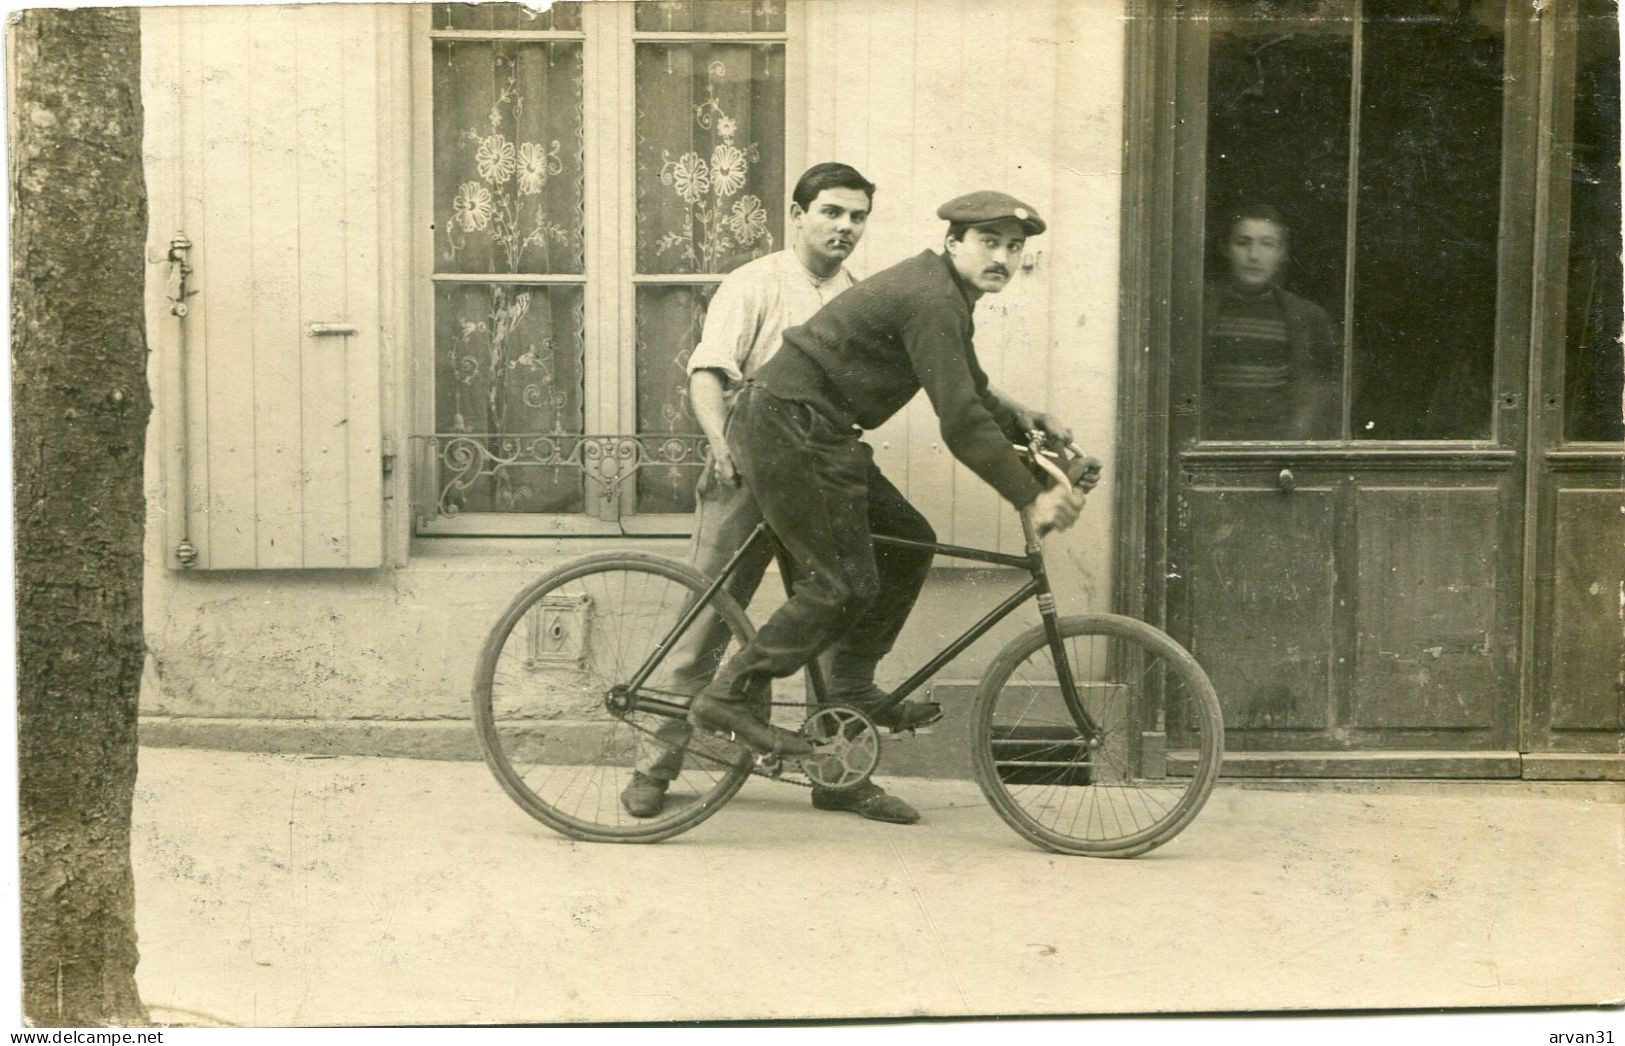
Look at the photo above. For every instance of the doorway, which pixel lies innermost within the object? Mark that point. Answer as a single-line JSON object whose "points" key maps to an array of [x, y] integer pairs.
{"points": [[1385, 508]]}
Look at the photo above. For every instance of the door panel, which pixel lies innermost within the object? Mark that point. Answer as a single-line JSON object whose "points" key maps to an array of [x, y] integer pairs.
{"points": [[1587, 682], [1350, 608], [1427, 600], [1261, 602]]}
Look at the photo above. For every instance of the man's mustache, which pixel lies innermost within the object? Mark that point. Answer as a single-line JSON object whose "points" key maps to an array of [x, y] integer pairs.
{"points": [[1001, 270]]}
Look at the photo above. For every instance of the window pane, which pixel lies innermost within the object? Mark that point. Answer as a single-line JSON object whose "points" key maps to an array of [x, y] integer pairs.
{"points": [[509, 363], [1279, 81], [1429, 207], [1592, 373], [710, 155], [507, 157], [711, 16], [563, 15], [670, 320]]}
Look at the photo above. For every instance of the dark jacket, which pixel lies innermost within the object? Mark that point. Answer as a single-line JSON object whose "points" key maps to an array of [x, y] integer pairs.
{"points": [[865, 354]]}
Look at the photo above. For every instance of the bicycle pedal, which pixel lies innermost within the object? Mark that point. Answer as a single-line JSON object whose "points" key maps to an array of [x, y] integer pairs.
{"points": [[770, 764]]}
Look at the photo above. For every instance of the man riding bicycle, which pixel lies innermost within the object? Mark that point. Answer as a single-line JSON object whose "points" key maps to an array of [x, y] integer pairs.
{"points": [[794, 436]]}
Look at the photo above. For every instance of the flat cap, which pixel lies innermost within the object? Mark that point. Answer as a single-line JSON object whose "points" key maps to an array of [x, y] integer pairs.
{"points": [[979, 208]]}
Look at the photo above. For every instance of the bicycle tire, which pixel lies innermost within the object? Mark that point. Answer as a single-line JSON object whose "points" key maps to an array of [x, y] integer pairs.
{"points": [[542, 709], [1135, 791]]}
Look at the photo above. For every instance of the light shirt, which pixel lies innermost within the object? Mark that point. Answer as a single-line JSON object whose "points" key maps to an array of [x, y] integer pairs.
{"points": [[752, 308]]}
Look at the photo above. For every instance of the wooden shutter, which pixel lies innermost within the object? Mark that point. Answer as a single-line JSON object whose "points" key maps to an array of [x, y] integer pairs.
{"points": [[263, 153]]}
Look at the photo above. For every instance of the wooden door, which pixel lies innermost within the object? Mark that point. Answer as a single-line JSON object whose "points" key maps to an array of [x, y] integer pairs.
{"points": [[1345, 438]]}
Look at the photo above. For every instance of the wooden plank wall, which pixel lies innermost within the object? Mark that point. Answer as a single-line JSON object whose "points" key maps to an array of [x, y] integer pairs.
{"points": [[933, 98]]}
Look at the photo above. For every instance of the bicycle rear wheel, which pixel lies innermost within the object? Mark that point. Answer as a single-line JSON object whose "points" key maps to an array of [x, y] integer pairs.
{"points": [[556, 730], [1148, 775]]}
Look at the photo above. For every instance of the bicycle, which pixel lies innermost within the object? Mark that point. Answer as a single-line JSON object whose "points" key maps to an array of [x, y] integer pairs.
{"points": [[1097, 718]]}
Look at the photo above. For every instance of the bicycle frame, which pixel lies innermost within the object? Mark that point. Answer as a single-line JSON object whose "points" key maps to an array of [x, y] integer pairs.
{"points": [[1037, 585]]}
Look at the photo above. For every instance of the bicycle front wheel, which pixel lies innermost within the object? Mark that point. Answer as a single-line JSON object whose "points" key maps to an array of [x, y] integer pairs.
{"points": [[1148, 770], [559, 729]]}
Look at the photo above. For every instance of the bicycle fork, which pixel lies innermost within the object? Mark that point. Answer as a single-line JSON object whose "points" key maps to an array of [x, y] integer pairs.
{"points": [[1087, 727]]}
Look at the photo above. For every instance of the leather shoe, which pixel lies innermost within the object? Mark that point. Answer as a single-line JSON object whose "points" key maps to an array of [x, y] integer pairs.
{"points": [[866, 800], [908, 715], [905, 715], [645, 796]]}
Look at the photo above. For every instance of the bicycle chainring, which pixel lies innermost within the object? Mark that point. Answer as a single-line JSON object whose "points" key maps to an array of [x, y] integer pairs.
{"points": [[847, 747]]}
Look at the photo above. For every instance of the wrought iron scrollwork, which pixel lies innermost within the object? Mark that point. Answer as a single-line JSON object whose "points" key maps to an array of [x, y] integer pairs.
{"points": [[458, 463]]}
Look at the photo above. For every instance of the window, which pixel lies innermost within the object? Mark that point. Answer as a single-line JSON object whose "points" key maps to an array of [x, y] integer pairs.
{"points": [[596, 170], [1373, 128], [1594, 385], [509, 262]]}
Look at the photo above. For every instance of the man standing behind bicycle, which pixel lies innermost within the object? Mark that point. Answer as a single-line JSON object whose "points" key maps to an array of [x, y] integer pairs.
{"points": [[744, 327], [794, 435]]}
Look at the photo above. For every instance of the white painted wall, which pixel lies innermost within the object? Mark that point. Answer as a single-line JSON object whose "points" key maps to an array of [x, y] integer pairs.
{"points": [[931, 100]]}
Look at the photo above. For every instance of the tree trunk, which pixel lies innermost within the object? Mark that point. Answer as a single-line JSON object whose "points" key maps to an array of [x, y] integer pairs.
{"points": [[80, 406]]}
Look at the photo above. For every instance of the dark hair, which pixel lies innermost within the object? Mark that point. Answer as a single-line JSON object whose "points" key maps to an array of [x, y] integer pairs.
{"points": [[1259, 212], [823, 176]]}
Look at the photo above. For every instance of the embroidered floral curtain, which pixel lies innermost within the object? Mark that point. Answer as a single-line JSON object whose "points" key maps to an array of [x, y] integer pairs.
{"points": [[710, 197], [508, 183]]}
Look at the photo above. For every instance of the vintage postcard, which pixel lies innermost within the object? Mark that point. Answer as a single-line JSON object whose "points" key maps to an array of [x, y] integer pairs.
{"points": [[748, 510]]}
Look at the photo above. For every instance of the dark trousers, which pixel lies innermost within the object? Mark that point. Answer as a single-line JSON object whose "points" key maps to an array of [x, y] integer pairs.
{"points": [[818, 488]]}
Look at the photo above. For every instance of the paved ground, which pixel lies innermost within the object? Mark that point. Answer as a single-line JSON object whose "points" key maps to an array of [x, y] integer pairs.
{"points": [[276, 890]]}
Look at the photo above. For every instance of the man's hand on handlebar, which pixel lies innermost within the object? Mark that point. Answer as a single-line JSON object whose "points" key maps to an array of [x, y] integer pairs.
{"points": [[1084, 472], [1057, 434], [1057, 508], [1074, 474]]}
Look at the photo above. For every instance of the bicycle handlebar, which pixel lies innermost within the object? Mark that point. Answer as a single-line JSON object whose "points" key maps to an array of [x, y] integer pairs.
{"points": [[1075, 468], [1080, 471], [1045, 462]]}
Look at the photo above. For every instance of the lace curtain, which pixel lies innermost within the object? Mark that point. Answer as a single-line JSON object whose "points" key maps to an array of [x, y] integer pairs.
{"points": [[710, 197], [509, 356]]}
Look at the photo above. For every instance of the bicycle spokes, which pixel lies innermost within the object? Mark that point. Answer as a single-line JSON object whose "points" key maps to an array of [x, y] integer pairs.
{"points": [[562, 728], [1137, 769]]}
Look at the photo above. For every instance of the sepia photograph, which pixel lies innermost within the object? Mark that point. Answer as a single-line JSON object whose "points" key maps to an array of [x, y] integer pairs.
{"points": [[663, 512]]}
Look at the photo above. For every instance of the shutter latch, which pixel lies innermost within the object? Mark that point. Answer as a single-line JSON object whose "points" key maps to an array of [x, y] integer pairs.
{"points": [[180, 269]]}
